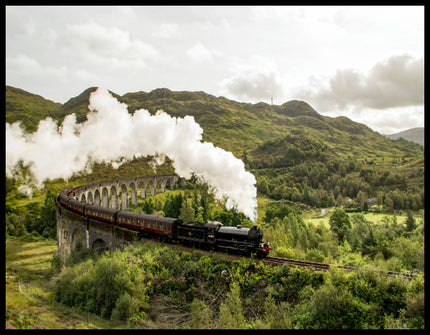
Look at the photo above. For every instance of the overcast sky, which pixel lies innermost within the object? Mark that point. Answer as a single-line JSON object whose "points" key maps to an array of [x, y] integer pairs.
{"points": [[365, 63]]}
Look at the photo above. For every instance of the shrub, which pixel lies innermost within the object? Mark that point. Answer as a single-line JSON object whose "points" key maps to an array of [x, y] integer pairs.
{"points": [[333, 308], [201, 315], [314, 255], [231, 311]]}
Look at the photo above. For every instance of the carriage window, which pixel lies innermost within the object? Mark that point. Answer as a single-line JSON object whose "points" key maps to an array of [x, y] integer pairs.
{"points": [[161, 226]]}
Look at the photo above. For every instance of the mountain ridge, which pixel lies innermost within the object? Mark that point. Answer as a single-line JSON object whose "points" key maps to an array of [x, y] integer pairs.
{"points": [[234, 126], [295, 153], [413, 134]]}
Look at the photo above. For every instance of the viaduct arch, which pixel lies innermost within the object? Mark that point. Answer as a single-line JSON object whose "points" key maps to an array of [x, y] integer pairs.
{"points": [[74, 231]]}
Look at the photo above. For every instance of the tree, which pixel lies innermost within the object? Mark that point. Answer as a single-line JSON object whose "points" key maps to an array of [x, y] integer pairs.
{"points": [[15, 225], [389, 203], [173, 205], [187, 211], [334, 308], [368, 246], [340, 224], [48, 222], [410, 222], [339, 200], [201, 315], [365, 207], [231, 311], [148, 206], [380, 198], [263, 187]]}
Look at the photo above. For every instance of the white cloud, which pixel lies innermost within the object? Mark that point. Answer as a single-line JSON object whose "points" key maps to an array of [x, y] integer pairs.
{"points": [[253, 85], [109, 46], [23, 65], [166, 30], [255, 79], [199, 53], [385, 121], [395, 82], [86, 76]]}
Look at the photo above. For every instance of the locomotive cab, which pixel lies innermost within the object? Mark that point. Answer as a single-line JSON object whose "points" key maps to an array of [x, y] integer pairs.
{"points": [[262, 248]]}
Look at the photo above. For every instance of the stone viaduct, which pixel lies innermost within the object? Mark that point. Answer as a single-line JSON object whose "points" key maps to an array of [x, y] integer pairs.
{"points": [[74, 230]]}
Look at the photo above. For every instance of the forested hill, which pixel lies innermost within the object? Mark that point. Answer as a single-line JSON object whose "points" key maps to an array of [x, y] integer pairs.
{"points": [[283, 145]]}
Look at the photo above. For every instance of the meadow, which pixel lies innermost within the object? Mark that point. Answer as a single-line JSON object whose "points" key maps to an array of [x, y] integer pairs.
{"points": [[316, 218], [31, 274]]}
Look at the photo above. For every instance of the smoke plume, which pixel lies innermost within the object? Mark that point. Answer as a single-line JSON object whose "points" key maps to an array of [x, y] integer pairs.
{"points": [[112, 134]]}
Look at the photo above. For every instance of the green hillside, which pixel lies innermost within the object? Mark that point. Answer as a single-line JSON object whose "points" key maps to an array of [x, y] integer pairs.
{"points": [[28, 108], [295, 153], [314, 173]]}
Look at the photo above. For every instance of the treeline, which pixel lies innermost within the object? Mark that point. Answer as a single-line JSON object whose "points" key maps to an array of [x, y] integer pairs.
{"points": [[350, 239], [194, 203], [307, 171], [36, 219], [149, 286]]}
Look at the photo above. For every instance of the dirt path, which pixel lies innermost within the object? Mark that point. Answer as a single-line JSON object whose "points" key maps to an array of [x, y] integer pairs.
{"points": [[323, 212]]}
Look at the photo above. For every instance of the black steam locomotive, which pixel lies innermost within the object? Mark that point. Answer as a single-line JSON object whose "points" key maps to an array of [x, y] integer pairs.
{"points": [[211, 235]]}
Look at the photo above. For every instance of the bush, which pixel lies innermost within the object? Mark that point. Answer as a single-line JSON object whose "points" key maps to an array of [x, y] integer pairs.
{"points": [[231, 310], [125, 307], [201, 315], [333, 308], [96, 285], [314, 255], [415, 311]]}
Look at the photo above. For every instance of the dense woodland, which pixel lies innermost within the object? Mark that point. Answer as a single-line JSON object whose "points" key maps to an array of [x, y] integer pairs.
{"points": [[302, 161]]}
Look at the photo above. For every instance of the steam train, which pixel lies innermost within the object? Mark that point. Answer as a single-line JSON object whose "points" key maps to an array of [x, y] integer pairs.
{"points": [[211, 235]]}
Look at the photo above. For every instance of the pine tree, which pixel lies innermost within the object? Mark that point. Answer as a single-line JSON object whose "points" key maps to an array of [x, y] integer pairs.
{"points": [[231, 311], [187, 211], [410, 222], [201, 315]]}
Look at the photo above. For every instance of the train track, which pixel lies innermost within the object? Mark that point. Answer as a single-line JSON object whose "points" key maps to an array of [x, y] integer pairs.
{"points": [[276, 261]]}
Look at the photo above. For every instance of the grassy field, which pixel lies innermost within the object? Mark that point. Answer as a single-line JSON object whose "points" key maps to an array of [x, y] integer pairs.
{"points": [[29, 290], [323, 216]]}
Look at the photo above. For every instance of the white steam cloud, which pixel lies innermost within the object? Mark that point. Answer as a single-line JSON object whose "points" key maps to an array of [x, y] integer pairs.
{"points": [[112, 134]]}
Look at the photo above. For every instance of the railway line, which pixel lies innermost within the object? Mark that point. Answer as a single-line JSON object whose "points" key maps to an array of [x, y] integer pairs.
{"points": [[278, 261]]}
